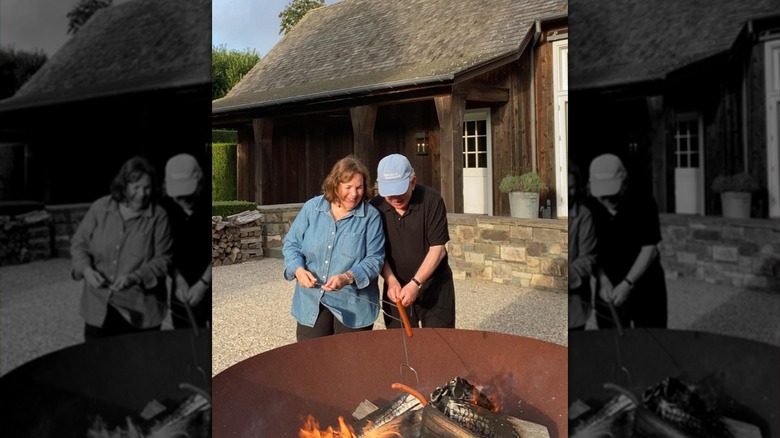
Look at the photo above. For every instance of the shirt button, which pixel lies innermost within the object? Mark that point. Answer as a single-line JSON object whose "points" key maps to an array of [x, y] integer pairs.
{"points": [[326, 262]]}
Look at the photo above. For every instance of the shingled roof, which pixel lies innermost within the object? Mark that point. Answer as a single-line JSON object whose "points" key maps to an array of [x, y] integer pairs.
{"points": [[375, 45], [133, 47], [631, 41]]}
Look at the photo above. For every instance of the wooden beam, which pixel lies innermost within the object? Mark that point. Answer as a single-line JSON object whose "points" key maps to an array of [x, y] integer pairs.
{"points": [[450, 110], [363, 123], [244, 171], [262, 159], [481, 93], [657, 137]]}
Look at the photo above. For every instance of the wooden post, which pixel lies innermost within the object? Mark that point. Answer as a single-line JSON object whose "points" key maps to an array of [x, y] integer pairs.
{"points": [[450, 110], [244, 171], [261, 160], [363, 123], [661, 182]]}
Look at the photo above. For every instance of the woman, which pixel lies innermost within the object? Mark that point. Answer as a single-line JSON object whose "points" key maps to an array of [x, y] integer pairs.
{"points": [[335, 249], [121, 250]]}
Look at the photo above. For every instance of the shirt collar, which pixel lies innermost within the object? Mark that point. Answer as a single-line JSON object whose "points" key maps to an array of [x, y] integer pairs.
{"points": [[323, 205], [113, 205]]}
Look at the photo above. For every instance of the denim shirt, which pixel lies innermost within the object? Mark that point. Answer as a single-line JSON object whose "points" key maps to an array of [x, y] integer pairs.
{"points": [[325, 248], [114, 247]]}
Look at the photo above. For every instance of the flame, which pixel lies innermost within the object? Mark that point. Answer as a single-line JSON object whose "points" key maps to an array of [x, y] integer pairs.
{"points": [[311, 429]]}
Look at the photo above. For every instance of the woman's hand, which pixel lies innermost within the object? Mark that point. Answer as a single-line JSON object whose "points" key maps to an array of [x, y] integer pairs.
{"points": [[94, 278], [336, 282], [305, 278], [124, 282]]}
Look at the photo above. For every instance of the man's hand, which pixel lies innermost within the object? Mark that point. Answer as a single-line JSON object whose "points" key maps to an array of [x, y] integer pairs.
{"points": [[620, 293], [408, 294]]}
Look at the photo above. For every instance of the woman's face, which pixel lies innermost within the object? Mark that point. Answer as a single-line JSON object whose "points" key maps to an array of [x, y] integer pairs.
{"points": [[139, 193], [350, 193]]}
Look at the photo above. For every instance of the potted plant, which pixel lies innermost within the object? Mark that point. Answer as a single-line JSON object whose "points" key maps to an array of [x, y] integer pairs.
{"points": [[735, 193], [523, 193]]}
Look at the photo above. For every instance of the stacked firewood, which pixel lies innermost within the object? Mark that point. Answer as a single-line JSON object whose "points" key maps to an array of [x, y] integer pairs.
{"points": [[236, 238], [25, 237]]}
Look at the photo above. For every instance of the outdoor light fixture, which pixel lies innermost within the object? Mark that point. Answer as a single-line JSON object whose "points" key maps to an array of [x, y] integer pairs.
{"points": [[422, 143]]}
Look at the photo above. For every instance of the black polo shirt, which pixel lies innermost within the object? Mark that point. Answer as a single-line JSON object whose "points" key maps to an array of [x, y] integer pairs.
{"points": [[408, 237]]}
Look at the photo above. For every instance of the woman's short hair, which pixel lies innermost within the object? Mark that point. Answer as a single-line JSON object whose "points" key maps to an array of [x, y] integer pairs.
{"points": [[131, 171], [343, 171]]}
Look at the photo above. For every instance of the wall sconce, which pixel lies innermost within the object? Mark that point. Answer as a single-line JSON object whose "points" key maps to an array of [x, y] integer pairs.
{"points": [[422, 143]]}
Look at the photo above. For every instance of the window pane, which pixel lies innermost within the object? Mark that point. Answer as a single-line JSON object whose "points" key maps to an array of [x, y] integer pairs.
{"points": [[694, 159], [470, 128], [482, 144], [481, 129], [482, 158], [683, 160], [471, 162], [472, 145]]}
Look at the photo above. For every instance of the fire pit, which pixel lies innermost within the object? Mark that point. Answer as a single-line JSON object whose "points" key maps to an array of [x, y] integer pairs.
{"points": [[271, 394], [742, 375], [57, 394]]}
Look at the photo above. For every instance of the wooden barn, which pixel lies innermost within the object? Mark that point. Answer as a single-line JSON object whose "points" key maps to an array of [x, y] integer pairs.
{"points": [[684, 92], [136, 79], [468, 90]]}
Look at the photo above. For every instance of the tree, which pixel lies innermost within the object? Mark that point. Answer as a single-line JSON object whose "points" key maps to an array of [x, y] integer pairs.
{"points": [[228, 67], [16, 67], [82, 12], [295, 10]]}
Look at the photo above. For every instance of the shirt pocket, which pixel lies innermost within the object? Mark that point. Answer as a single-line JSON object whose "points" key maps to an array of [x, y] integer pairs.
{"points": [[352, 245], [137, 248]]}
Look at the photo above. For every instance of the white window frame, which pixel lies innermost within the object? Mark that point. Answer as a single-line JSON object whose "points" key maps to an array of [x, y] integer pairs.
{"points": [[561, 95], [476, 114], [772, 96]]}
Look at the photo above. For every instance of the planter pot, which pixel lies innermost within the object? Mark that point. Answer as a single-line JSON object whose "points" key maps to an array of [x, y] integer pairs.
{"points": [[524, 205], [735, 204]]}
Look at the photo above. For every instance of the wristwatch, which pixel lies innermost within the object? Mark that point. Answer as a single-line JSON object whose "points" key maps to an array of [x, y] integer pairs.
{"points": [[417, 282]]}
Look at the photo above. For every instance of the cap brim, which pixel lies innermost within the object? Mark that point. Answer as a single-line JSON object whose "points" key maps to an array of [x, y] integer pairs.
{"points": [[605, 187], [393, 188], [182, 187]]}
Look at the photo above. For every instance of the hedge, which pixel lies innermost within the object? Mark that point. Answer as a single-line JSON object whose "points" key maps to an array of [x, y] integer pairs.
{"points": [[223, 172], [228, 208], [224, 136]]}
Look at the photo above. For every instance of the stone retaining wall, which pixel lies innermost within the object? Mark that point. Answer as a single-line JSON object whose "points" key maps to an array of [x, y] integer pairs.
{"points": [[524, 252], [735, 252]]}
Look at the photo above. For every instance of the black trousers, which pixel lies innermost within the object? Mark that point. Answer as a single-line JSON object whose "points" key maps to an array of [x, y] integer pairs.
{"points": [[327, 324], [113, 325], [201, 312], [434, 307]]}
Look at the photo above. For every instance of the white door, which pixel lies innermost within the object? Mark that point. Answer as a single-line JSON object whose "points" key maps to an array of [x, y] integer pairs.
{"points": [[689, 169], [477, 168], [561, 90]]}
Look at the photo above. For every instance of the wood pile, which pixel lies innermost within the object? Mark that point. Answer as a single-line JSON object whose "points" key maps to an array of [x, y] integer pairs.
{"points": [[25, 237], [236, 238]]}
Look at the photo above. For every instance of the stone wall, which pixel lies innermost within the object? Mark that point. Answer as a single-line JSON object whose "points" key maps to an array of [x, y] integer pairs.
{"points": [[65, 220], [523, 252], [735, 252]]}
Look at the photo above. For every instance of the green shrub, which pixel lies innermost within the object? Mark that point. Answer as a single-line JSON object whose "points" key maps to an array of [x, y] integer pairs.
{"points": [[224, 136], [527, 182], [223, 172], [229, 208], [740, 182]]}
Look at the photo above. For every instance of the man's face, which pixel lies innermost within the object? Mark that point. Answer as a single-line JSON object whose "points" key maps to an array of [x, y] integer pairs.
{"points": [[400, 202]]}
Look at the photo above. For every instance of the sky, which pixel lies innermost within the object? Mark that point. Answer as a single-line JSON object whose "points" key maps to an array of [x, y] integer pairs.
{"points": [[32, 25], [248, 24], [238, 24]]}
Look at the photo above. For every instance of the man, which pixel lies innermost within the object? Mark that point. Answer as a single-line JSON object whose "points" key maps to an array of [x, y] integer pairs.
{"points": [[416, 271], [190, 212], [628, 227]]}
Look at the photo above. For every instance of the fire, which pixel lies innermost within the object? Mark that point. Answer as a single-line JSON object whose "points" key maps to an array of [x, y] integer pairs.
{"points": [[311, 429]]}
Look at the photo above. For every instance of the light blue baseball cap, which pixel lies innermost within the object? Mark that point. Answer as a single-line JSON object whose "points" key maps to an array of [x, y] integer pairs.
{"points": [[393, 174]]}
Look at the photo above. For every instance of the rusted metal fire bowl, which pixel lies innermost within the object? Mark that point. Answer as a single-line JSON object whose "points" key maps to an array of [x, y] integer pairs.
{"points": [[271, 393], [743, 375], [56, 395]]}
